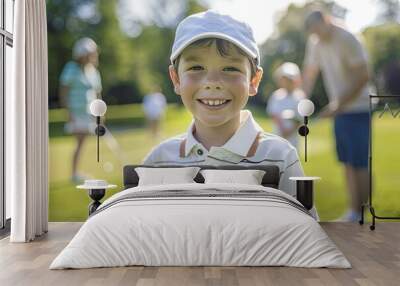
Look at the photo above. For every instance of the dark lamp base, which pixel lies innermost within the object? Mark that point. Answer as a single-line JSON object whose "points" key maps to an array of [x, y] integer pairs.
{"points": [[96, 195]]}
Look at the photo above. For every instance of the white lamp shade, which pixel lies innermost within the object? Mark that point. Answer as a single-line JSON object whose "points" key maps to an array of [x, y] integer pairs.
{"points": [[98, 107], [305, 107]]}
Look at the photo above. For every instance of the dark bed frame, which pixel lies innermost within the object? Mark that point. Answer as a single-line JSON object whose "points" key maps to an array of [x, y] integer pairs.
{"points": [[270, 179], [131, 178], [304, 192]]}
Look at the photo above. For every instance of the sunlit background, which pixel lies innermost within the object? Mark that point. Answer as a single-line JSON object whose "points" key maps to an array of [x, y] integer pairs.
{"points": [[135, 38], [262, 15]]}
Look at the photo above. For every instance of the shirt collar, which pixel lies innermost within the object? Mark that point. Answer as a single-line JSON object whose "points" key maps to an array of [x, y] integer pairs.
{"points": [[191, 142], [240, 143]]}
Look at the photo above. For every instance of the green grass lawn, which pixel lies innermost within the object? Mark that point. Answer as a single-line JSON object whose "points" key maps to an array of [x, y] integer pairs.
{"points": [[127, 125]]}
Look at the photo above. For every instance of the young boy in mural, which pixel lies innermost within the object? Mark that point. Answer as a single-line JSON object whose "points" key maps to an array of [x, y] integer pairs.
{"points": [[215, 67]]}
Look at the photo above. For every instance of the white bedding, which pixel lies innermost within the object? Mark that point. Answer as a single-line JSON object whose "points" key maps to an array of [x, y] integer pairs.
{"points": [[268, 228]]}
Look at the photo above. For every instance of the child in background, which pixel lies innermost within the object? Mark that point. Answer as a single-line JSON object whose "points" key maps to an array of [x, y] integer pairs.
{"points": [[154, 105], [282, 105]]}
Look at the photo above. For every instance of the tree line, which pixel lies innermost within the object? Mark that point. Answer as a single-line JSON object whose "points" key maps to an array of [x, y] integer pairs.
{"points": [[134, 53]]}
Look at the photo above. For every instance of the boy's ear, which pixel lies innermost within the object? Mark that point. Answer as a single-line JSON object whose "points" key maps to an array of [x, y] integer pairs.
{"points": [[255, 81], [173, 74]]}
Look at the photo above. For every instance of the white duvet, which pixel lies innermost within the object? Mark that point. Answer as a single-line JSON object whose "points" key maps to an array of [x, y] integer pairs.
{"points": [[268, 228]]}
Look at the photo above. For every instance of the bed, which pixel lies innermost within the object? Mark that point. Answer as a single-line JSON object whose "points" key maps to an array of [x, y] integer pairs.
{"points": [[201, 224]]}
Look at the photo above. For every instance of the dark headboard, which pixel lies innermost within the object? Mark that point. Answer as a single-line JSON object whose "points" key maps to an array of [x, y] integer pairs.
{"points": [[270, 179]]}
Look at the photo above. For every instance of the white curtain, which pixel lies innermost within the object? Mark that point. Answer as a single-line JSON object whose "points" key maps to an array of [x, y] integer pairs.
{"points": [[27, 128]]}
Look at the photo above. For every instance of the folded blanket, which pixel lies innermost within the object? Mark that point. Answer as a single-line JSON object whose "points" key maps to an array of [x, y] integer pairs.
{"points": [[205, 194]]}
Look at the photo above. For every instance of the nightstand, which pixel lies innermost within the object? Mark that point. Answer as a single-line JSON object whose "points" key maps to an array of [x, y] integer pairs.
{"points": [[305, 190], [96, 190]]}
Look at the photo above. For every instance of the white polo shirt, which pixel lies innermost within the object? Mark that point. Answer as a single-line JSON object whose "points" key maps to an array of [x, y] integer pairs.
{"points": [[250, 145]]}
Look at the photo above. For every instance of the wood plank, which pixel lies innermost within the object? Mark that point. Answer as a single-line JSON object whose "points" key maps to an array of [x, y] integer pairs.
{"points": [[374, 255]]}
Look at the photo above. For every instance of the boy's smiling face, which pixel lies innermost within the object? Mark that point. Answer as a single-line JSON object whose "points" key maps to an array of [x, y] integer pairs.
{"points": [[214, 88]]}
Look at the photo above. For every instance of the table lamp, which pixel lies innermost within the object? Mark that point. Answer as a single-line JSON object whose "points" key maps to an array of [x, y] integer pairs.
{"points": [[98, 108], [305, 109]]}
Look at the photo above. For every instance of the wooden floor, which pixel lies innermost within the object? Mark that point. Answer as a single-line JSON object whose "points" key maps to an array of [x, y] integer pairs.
{"points": [[374, 255]]}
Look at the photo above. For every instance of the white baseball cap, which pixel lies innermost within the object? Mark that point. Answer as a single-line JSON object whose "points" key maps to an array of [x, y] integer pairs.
{"points": [[212, 24], [83, 47], [289, 70]]}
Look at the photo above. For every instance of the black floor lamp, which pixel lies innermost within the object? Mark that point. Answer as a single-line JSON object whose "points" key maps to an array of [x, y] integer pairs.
{"points": [[369, 205]]}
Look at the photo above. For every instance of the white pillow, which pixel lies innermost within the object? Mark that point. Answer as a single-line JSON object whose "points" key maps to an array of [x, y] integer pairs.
{"points": [[164, 176], [249, 177]]}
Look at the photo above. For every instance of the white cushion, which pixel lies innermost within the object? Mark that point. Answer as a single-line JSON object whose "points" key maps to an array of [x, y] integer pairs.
{"points": [[248, 177], [163, 176]]}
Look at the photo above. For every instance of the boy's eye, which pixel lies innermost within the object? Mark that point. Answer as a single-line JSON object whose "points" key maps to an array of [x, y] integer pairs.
{"points": [[231, 69], [196, 68]]}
